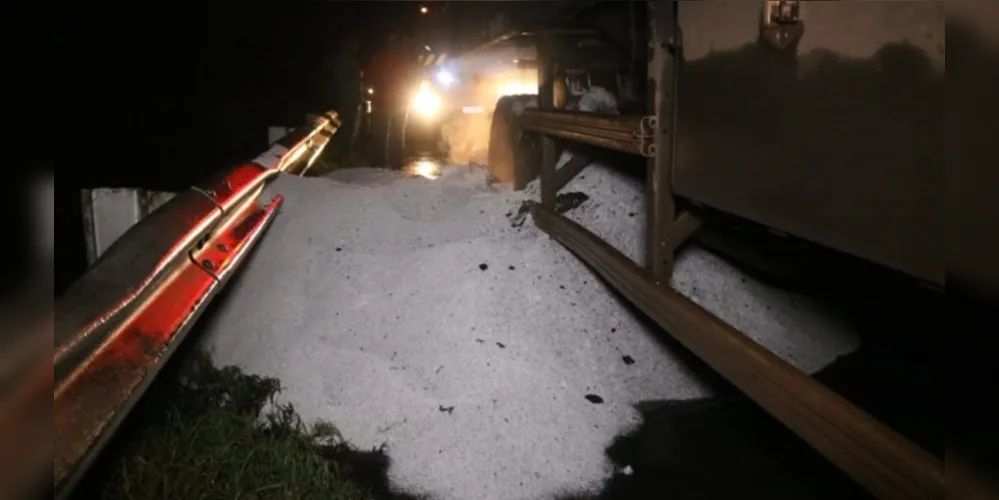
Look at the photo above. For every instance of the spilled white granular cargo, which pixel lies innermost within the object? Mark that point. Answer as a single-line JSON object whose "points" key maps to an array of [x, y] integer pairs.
{"points": [[488, 359]]}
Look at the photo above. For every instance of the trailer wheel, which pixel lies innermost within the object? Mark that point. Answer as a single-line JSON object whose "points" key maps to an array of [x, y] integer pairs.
{"points": [[513, 155]]}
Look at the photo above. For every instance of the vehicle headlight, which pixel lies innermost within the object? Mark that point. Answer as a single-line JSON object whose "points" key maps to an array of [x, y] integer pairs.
{"points": [[426, 102], [445, 78]]}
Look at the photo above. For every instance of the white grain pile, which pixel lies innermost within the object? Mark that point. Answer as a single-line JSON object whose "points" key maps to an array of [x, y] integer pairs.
{"points": [[366, 299]]}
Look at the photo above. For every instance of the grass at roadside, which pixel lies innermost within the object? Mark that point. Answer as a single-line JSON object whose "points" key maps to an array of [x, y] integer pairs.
{"points": [[218, 435]]}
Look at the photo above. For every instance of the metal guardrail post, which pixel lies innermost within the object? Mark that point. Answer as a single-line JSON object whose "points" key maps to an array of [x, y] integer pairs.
{"points": [[664, 45]]}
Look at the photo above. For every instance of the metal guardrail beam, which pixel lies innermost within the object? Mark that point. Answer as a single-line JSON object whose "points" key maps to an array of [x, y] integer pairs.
{"points": [[889, 465], [118, 324], [296, 152], [627, 133]]}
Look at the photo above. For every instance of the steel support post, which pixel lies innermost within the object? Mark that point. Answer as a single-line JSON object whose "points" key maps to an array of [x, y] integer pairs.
{"points": [[664, 52], [546, 101]]}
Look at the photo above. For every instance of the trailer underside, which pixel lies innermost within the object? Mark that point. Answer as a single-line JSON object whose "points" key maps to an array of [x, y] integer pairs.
{"points": [[680, 180]]}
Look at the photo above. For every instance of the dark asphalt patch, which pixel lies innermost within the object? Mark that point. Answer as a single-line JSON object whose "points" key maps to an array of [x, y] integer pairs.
{"points": [[568, 201], [518, 219], [564, 202]]}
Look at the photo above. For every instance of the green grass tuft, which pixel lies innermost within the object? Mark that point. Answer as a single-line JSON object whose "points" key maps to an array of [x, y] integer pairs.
{"points": [[220, 435]]}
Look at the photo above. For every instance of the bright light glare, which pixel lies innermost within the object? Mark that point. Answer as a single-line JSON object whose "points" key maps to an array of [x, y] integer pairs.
{"points": [[514, 87], [371, 90], [445, 78], [423, 10], [426, 102], [426, 168]]}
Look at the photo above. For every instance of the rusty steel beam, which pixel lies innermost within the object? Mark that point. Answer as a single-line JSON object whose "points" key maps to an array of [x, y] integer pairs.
{"points": [[620, 133], [881, 460], [664, 48], [546, 102], [571, 169]]}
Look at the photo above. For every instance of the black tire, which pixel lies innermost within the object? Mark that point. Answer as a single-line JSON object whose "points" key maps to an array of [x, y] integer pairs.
{"points": [[513, 155]]}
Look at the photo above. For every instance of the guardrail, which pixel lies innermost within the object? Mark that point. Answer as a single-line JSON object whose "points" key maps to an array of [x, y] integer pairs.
{"points": [[117, 325]]}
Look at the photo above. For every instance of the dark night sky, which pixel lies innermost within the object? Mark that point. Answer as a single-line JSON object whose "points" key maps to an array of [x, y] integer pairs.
{"points": [[161, 95], [164, 80]]}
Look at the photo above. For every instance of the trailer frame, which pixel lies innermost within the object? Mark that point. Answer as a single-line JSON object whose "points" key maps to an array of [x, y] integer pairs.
{"points": [[883, 461]]}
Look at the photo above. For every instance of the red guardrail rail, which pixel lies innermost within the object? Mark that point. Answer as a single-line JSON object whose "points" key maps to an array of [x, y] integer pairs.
{"points": [[118, 324]]}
